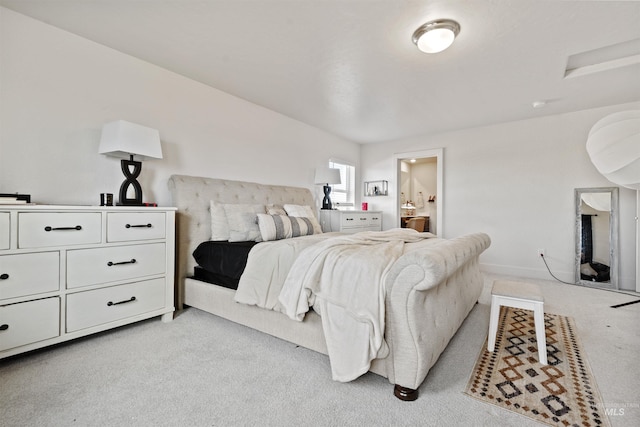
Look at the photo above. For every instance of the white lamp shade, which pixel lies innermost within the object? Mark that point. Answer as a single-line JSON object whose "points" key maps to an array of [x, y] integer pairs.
{"points": [[327, 176], [614, 148], [598, 201], [122, 138]]}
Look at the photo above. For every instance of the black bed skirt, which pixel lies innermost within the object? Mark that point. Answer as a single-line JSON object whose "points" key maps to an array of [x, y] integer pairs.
{"points": [[203, 275]]}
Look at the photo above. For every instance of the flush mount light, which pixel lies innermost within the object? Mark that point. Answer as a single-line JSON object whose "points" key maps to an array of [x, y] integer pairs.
{"points": [[436, 36]]}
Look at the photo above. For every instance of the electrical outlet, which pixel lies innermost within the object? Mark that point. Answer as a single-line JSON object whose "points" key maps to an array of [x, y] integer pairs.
{"points": [[541, 252]]}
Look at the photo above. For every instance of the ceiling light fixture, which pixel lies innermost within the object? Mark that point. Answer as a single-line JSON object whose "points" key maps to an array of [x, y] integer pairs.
{"points": [[614, 148], [436, 36]]}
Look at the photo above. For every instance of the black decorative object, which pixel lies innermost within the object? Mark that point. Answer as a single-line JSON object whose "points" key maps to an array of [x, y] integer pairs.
{"points": [[130, 181], [106, 199], [326, 202]]}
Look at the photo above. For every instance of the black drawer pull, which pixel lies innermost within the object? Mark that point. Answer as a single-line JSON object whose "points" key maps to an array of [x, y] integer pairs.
{"points": [[110, 263], [110, 303], [4, 327], [49, 228], [138, 226], [4, 276]]}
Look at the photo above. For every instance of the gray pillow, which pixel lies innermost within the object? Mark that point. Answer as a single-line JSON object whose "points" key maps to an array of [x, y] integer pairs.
{"points": [[243, 222], [219, 226]]}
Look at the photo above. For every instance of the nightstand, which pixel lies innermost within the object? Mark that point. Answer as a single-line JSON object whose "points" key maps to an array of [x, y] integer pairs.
{"points": [[350, 221]]}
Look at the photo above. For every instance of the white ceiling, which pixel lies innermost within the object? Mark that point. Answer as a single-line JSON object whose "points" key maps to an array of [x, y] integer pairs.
{"points": [[349, 66]]}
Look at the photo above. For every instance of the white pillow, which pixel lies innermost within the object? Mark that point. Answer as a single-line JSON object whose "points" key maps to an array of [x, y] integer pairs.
{"points": [[276, 227], [243, 222], [219, 226], [276, 210], [304, 212]]}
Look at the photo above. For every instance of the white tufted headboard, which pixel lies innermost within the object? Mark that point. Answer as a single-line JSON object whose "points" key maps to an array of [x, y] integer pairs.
{"points": [[192, 196]]}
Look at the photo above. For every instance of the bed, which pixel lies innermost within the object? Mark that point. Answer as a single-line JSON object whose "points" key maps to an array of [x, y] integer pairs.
{"points": [[429, 292]]}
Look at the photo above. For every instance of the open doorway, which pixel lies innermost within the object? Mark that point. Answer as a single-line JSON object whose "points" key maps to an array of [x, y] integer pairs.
{"points": [[419, 190]]}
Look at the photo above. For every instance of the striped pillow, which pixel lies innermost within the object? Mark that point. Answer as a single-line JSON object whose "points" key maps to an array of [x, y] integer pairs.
{"points": [[304, 212], [276, 227]]}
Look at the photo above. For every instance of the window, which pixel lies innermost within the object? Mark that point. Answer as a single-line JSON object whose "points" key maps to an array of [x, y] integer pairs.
{"points": [[343, 194]]}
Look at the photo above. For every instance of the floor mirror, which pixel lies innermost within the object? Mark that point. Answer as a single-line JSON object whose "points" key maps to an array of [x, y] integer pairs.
{"points": [[597, 237]]}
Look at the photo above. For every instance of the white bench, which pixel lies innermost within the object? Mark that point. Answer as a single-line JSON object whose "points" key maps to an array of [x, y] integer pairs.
{"points": [[526, 296]]}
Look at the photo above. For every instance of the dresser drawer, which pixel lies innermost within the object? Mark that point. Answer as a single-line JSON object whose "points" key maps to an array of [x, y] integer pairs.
{"points": [[355, 219], [29, 274], [42, 229], [102, 265], [92, 308], [4, 230], [29, 322], [128, 226], [374, 221]]}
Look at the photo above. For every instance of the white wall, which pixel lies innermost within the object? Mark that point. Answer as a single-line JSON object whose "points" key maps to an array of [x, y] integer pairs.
{"points": [[58, 89], [515, 181]]}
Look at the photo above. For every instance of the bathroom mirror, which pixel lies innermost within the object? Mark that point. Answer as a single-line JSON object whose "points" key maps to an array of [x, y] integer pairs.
{"points": [[597, 237]]}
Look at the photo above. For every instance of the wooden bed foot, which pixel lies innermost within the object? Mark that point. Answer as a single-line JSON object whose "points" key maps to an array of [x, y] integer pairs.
{"points": [[404, 393]]}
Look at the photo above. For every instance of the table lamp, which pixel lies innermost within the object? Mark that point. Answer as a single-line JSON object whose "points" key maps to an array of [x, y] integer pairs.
{"points": [[124, 140], [327, 176]]}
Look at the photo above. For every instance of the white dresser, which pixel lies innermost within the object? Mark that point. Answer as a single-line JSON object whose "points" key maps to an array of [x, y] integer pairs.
{"points": [[350, 221], [70, 271]]}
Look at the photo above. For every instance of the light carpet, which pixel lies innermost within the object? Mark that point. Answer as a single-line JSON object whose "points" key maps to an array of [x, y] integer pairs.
{"points": [[562, 393], [201, 370]]}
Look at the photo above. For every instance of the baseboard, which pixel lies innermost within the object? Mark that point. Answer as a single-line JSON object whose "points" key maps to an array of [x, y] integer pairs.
{"points": [[529, 273], [625, 283]]}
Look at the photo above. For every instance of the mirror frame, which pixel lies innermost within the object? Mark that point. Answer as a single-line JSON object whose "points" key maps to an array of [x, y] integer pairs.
{"points": [[613, 236]]}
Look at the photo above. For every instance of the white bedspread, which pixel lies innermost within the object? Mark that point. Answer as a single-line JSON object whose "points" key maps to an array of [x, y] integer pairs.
{"points": [[343, 279], [267, 267]]}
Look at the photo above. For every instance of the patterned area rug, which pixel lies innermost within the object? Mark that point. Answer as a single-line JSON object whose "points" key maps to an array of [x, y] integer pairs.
{"points": [[563, 393]]}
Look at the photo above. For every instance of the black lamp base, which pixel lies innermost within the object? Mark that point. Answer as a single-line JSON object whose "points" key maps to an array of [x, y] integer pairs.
{"points": [[326, 202], [130, 181]]}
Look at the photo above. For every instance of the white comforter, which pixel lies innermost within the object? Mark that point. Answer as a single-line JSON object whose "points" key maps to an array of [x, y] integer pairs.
{"points": [[267, 267], [342, 277]]}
